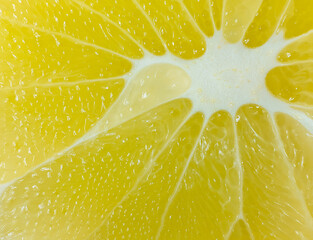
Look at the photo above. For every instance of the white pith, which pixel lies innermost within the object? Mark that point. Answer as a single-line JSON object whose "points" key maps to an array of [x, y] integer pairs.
{"points": [[228, 76], [225, 77]]}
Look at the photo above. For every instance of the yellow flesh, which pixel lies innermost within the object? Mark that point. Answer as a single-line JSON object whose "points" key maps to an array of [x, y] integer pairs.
{"points": [[240, 232], [237, 16], [301, 50], [122, 12], [265, 22], [142, 165], [42, 121], [217, 11], [32, 58], [298, 146], [268, 180], [298, 18], [201, 12]]}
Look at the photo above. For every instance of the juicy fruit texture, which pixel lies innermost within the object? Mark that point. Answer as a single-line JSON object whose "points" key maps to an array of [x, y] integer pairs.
{"points": [[298, 18], [32, 57], [62, 17], [95, 147], [268, 180], [97, 173], [265, 22], [181, 37], [211, 179], [217, 11], [240, 231], [151, 87], [152, 195], [298, 141], [122, 12], [41, 121], [290, 83], [237, 16], [200, 10]]}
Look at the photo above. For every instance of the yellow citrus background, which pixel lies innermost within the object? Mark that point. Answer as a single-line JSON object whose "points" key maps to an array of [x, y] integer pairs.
{"points": [[158, 172]]}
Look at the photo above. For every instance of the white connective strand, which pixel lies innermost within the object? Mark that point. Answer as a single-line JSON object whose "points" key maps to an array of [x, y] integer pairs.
{"points": [[226, 76]]}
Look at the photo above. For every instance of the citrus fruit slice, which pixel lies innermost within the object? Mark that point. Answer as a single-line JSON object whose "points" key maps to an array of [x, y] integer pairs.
{"points": [[142, 119]]}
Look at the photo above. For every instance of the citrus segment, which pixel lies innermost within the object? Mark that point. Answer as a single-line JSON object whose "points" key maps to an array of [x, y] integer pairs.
{"points": [[298, 143], [217, 12], [41, 121], [140, 216], [201, 12], [265, 22], [65, 18], [70, 196], [208, 198], [176, 27], [84, 157], [299, 50], [31, 57], [240, 231], [150, 87], [237, 17], [273, 205], [292, 83], [122, 12], [299, 18]]}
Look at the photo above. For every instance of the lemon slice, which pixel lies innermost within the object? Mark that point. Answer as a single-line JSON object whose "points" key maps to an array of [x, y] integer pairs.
{"points": [[141, 119]]}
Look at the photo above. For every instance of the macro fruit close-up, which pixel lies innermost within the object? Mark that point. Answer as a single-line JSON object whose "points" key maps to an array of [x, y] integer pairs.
{"points": [[156, 119]]}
